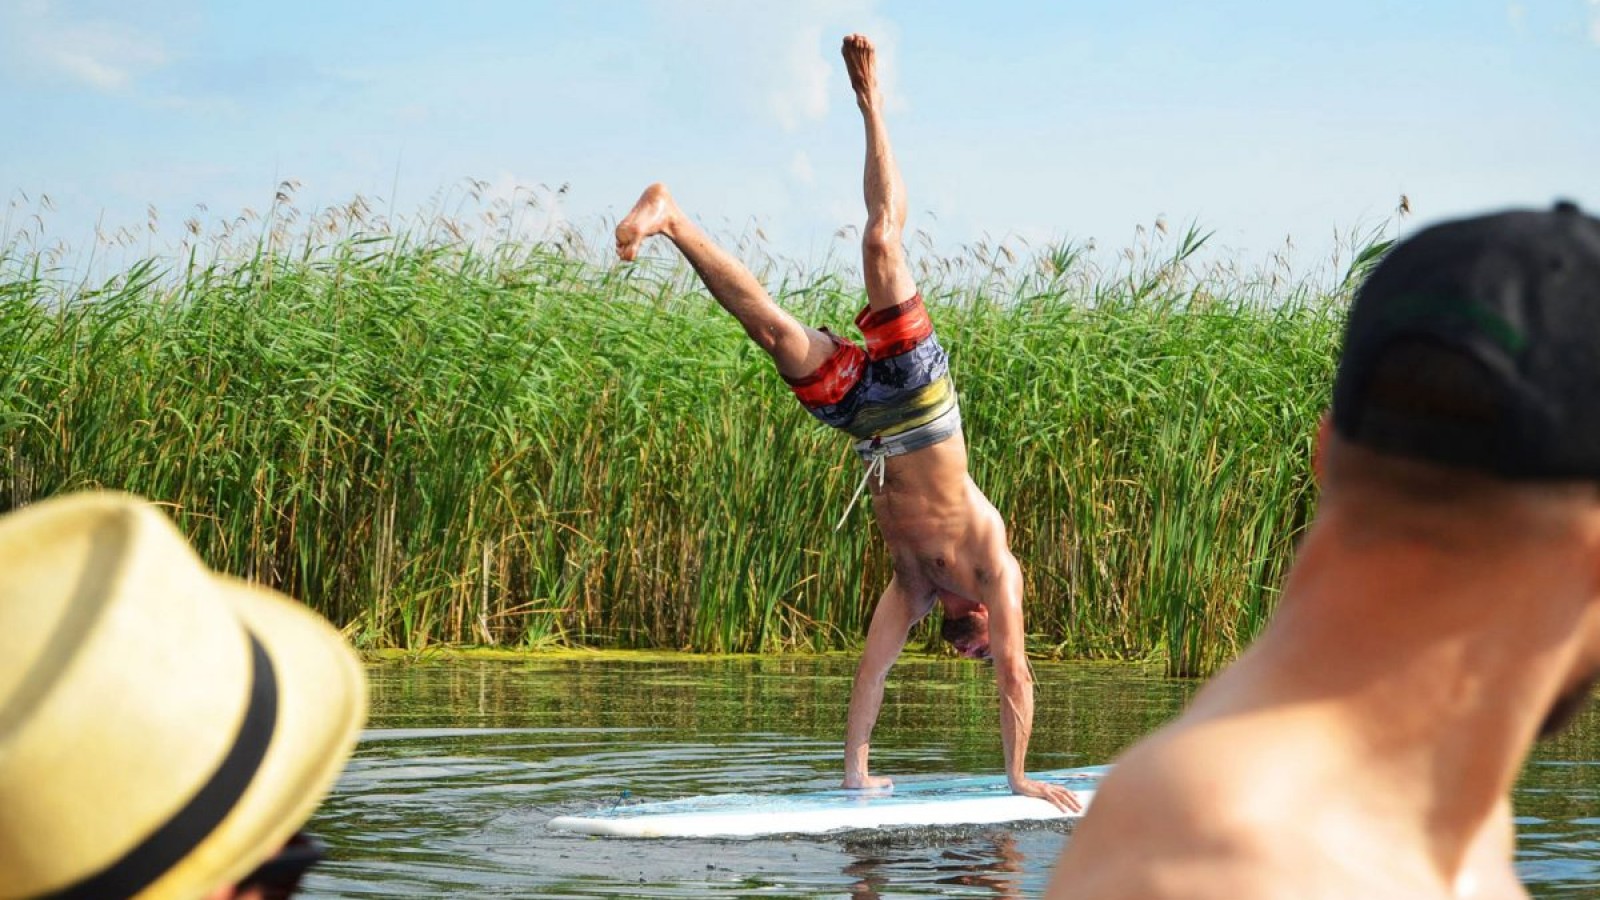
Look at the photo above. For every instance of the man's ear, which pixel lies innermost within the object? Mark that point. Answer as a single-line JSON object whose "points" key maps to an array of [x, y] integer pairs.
{"points": [[1592, 523], [1324, 434]]}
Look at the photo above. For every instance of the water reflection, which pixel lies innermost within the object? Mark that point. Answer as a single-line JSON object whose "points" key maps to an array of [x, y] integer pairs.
{"points": [[992, 862], [463, 765]]}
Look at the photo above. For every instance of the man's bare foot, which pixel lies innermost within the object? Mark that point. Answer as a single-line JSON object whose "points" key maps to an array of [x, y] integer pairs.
{"points": [[650, 216], [861, 62]]}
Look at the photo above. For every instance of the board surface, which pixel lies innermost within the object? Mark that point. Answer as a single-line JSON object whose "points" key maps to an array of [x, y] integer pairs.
{"points": [[970, 800]]}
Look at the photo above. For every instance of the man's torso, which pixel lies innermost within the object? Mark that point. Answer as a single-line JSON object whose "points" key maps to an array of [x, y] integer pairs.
{"points": [[941, 531]]}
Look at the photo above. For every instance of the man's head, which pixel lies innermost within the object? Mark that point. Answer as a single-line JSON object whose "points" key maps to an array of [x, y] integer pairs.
{"points": [[1476, 344], [164, 730], [968, 632], [1468, 392]]}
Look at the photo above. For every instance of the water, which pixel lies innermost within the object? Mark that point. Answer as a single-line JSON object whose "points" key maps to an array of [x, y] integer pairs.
{"points": [[464, 763]]}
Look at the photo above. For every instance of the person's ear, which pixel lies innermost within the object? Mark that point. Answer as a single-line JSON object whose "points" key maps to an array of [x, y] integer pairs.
{"points": [[1591, 526], [1324, 434], [1588, 626]]}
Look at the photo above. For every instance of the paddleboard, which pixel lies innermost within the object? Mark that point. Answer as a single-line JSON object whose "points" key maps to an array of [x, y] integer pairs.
{"points": [[946, 802]]}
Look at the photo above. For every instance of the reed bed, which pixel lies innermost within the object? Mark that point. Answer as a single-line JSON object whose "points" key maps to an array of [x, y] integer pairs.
{"points": [[435, 439]]}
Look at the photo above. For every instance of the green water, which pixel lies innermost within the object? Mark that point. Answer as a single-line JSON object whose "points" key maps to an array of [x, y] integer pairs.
{"points": [[465, 762]]}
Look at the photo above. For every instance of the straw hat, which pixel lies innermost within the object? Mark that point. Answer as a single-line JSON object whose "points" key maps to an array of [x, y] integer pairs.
{"points": [[163, 728]]}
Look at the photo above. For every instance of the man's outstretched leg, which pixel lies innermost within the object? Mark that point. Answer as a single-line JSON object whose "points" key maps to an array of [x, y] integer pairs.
{"points": [[796, 349], [883, 257]]}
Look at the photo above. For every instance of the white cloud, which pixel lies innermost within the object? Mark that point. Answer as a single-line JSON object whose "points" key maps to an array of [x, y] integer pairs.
{"points": [[99, 53], [104, 55], [1517, 15], [1587, 24], [783, 57], [413, 114], [800, 168], [804, 96]]}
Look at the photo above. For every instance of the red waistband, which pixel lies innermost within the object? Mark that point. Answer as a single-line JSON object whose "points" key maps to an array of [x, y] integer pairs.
{"points": [[893, 331], [834, 378]]}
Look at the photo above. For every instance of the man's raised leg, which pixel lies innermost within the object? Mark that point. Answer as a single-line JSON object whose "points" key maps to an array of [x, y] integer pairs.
{"points": [[796, 349], [883, 257]]}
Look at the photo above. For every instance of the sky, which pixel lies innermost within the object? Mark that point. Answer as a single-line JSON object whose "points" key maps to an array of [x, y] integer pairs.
{"points": [[1261, 121]]}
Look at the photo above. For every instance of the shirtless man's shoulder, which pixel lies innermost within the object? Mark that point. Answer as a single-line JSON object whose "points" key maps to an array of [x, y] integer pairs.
{"points": [[1239, 825]]}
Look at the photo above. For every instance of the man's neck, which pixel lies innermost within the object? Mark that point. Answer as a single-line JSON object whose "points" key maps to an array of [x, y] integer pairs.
{"points": [[1429, 669]]}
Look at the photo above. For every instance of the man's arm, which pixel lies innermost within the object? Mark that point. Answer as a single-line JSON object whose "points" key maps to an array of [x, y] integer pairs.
{"points": [[1014, 678], [892, 621]]}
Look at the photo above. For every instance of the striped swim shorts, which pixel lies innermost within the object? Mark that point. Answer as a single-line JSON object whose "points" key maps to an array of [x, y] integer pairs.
{"points": [[896, 393]]}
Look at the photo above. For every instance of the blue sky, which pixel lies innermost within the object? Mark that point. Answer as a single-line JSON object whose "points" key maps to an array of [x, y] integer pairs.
{"points": [[1261, 120]]}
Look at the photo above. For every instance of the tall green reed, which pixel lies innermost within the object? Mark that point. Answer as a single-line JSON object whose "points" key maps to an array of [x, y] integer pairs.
{"points": [[433, 439]]}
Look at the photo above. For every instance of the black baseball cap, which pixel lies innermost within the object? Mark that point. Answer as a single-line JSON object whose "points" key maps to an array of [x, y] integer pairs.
{"points": [[1476, 343]]}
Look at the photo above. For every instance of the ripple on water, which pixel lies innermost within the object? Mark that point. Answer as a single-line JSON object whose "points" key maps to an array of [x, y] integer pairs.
{"points": [[464, 765]]}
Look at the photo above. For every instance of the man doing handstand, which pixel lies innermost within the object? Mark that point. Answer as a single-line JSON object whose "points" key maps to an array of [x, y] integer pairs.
{"points": [[946, 541]]}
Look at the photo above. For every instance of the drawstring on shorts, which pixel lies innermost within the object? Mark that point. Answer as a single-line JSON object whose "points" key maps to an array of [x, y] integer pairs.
{"points": [[875, 463]]}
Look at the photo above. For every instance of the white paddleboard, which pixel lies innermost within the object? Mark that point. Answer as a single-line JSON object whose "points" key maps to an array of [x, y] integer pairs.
{"points": [[983, 800]]}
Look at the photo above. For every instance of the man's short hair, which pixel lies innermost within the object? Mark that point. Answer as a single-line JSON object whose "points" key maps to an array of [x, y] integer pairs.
{"points": [[1476, 343], [960, 629]]}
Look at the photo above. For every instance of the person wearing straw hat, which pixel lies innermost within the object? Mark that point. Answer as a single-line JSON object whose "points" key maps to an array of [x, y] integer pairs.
{"points": [[946, 541], [1443, 612], [164, 729]]}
